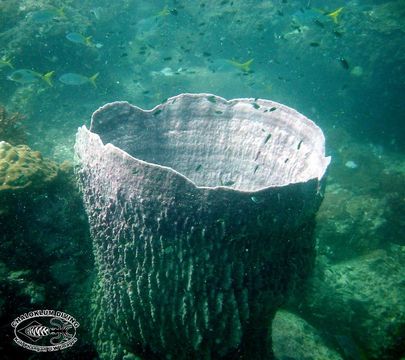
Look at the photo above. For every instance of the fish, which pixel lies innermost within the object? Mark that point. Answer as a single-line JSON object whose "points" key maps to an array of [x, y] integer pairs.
{"points": [[77, 38], [6, 62], [219, 65], [256, 200], [296, 32], [164, 12], [26, 76], [167, 71], [37, 331], [245, 67], [319, 23], [97, 12], [45, 15], [334, 15], [357, 71], [344, 63], [227, 183], [77, 79], [337, 33], [306, 17], [148, 26], [267, 138], [351, 164]]}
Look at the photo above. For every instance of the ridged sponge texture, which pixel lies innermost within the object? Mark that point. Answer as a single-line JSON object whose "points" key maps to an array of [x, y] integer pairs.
{"points": [[201, 213]]}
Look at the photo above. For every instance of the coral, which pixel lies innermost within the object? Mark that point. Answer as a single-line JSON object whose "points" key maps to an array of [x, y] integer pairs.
{"points": [[188, 238], [294, 338], [364, 299], [45, 249], [9, 11], [349, 224], [11, 128], [21, 167], [387, 17], [360, 210], [22, 280]]}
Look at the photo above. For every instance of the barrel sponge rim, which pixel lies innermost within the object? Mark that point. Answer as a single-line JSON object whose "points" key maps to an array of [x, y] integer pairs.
{"points": [[83, 131]]}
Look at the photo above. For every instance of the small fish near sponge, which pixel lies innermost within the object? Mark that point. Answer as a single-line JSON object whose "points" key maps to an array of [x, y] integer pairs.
{"points": [[202, 213]]}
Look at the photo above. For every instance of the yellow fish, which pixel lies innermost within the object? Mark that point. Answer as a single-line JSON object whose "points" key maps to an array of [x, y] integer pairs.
{"points": [[245, 67], [6, 62], [78, 79], [164, 12], [335, 14], [27, 76], [80, 39], [48, 77]]}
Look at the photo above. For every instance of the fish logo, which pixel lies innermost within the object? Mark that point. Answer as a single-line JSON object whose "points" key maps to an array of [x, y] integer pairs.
{"points": [[45, 330], [35, 331]]}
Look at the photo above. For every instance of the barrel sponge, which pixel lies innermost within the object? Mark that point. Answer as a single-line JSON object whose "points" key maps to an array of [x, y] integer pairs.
{"points": [[21, 167], [201, 212]]}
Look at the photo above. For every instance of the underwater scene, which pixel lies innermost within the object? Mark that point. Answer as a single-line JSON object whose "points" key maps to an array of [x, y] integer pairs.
{"points": [[240, 196]]}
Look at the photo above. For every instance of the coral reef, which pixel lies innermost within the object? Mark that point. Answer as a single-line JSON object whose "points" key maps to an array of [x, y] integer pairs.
{"points": [[350, 225], [299, 62], [45, 253], [387, 18], [355, 298], [360, 211], [294, 338], [21, 167], [362, 299]]}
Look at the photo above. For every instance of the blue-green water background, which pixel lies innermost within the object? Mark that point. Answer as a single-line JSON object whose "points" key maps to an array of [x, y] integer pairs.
{"points": [[195, 39], [346, 75]]}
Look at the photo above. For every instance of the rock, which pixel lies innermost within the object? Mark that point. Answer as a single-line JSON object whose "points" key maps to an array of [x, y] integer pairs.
{"points": [[350, 225], [363, 299], [11, 128], [21, 167], [295, 339], [45, 248]]}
